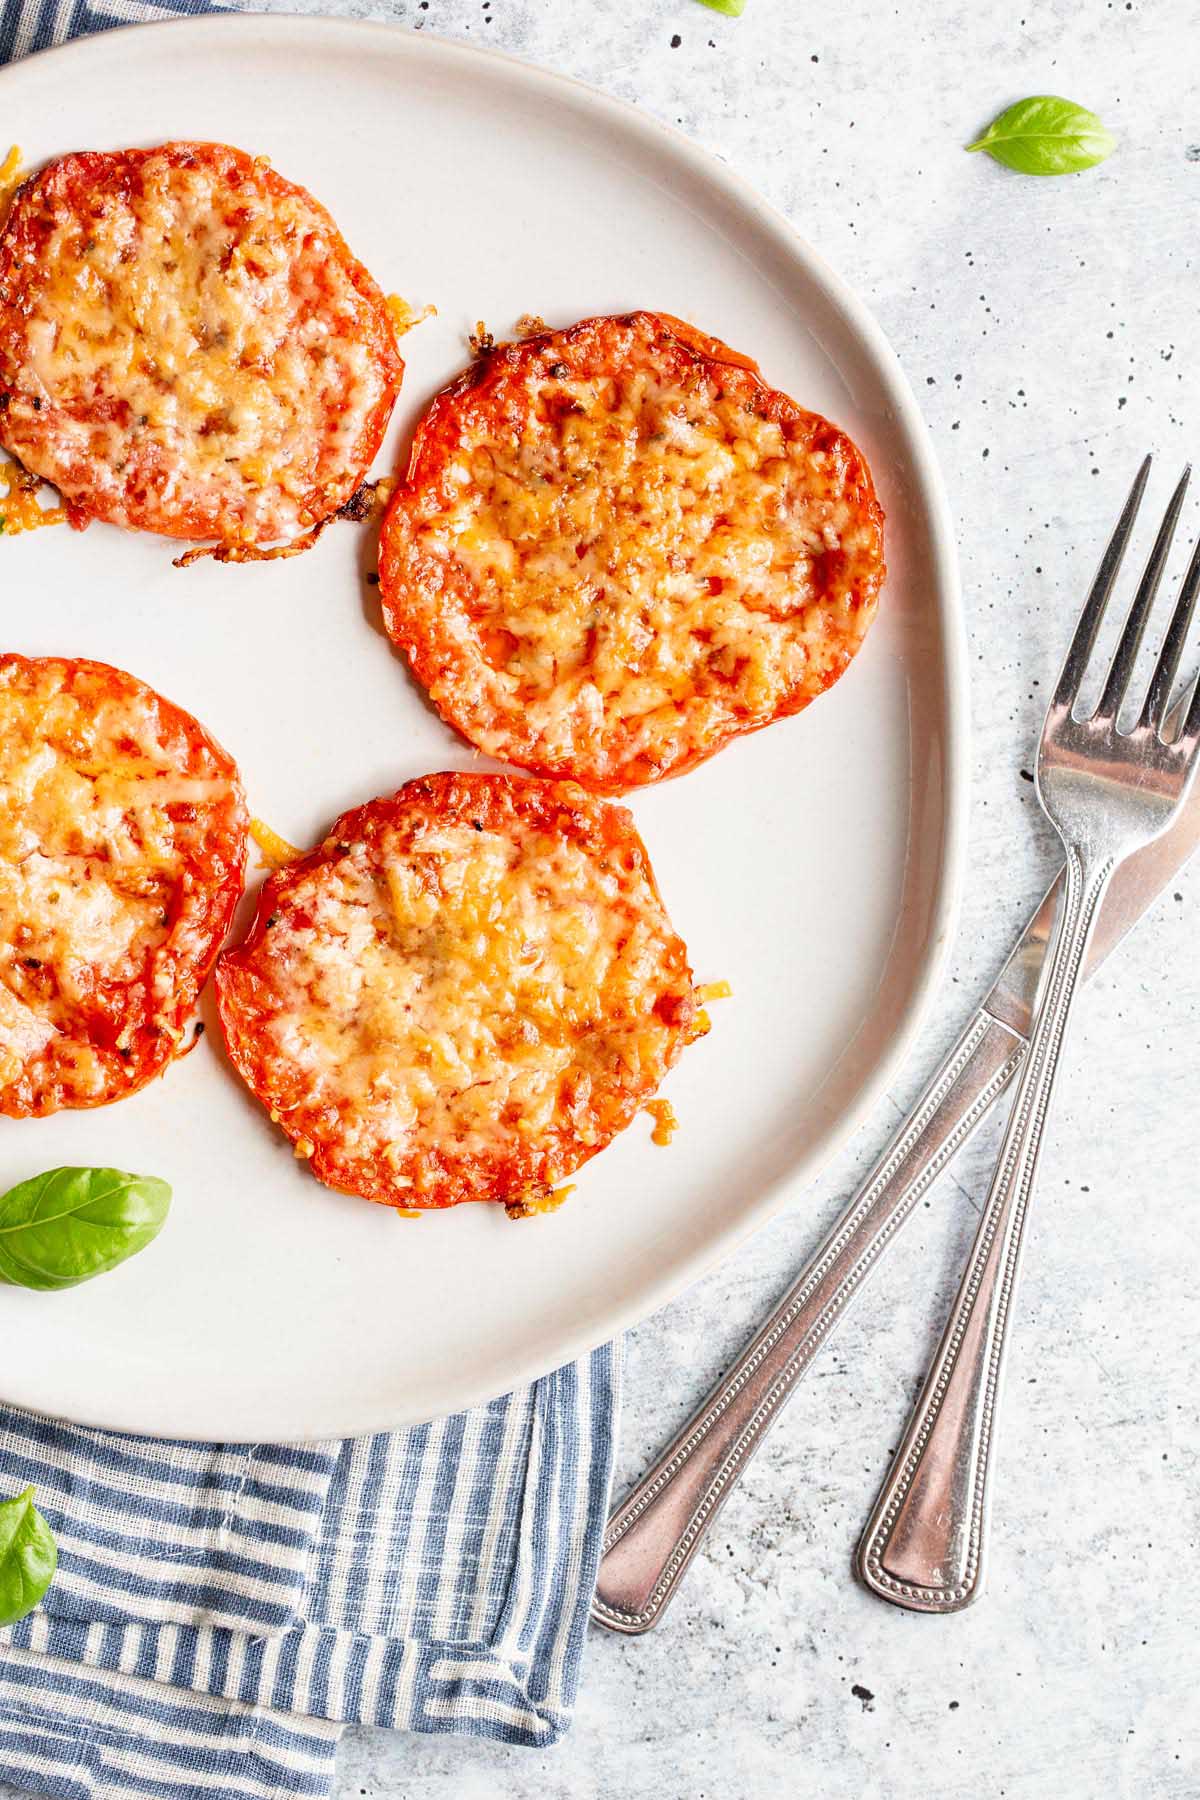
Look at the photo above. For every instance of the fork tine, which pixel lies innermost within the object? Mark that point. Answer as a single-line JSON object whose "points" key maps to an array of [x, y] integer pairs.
{"points": [[1155, 709], [1191, 724], [1125, 655], [1093, 611]]}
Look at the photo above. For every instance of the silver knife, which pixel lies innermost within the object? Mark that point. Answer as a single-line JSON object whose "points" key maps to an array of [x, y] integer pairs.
{"points": [[657, 1529]]}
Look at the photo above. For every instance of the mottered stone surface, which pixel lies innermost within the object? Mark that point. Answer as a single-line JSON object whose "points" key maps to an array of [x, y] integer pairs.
{"points": [[1048, 329]]}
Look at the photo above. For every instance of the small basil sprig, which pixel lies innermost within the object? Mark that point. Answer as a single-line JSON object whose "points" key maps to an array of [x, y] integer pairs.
{"points": [[68, 1225], [28, 1557], [1046, 136]]}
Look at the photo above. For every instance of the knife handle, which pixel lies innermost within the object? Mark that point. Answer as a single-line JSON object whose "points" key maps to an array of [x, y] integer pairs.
{"points": [[653, 1535]]}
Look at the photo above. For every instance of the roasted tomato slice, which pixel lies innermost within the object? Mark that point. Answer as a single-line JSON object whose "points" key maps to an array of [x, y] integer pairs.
{"points": [[463, 993], [616, 549], [188, 346], [122, 845]]}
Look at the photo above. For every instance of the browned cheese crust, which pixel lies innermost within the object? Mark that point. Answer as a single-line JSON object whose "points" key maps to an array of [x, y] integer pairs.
{"points": [[617, 548], [188, 346], [122, 845], [463, 993]]}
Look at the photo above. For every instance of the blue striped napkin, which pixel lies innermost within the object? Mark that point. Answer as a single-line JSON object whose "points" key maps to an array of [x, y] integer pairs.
{"points": [[27, 25], [222, 1611]]}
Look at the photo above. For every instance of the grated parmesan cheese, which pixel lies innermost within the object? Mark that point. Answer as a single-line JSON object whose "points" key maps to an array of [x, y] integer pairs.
{"points": [[275, 851], [665, 1122]]}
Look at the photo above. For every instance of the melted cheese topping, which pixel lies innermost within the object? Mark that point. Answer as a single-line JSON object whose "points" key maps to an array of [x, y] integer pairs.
{"points": [[10, 178], [713, 990], [665, 1122], [531, 1207], [192, 341], [104, 813], [465, 999], [20, 507], [405, 316], [275, 851], [652, 559], [463, 984]]}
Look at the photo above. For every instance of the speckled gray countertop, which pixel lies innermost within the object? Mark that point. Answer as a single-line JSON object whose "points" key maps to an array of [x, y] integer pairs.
{"points": [[1049, 329]]}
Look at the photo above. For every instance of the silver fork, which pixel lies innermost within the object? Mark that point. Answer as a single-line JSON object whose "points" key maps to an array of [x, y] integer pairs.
{"points": [[1107, 792]]}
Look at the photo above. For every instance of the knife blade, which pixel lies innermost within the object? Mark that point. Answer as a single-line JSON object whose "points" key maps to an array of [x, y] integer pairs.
{"points": [[653, 1534]]}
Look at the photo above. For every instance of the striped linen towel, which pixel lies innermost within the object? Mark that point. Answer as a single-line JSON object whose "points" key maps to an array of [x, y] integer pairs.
{"points": [[27, 25], [221, 1612]]}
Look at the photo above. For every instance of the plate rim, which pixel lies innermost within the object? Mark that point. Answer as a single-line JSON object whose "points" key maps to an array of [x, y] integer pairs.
{"points": [[280, 32]]}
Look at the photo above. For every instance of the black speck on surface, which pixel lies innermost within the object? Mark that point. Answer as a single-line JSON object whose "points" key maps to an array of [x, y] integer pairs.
{"points": [[954, 1706], [1192, 153], [865, 1695], [1026, 775], [676, 41]]}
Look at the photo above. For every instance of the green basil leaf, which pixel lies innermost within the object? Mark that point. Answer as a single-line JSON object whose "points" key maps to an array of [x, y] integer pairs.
{"points": [[735, 8], [28, 1557], [68, 1225], [1046, 136]]}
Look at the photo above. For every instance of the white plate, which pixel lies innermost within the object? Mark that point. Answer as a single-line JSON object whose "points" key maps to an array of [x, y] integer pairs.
{"points": [[814, 866]]}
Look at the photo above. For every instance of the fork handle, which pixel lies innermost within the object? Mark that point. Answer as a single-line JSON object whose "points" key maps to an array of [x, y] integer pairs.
{"points": [[656, 1530], [926, 1541]]}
